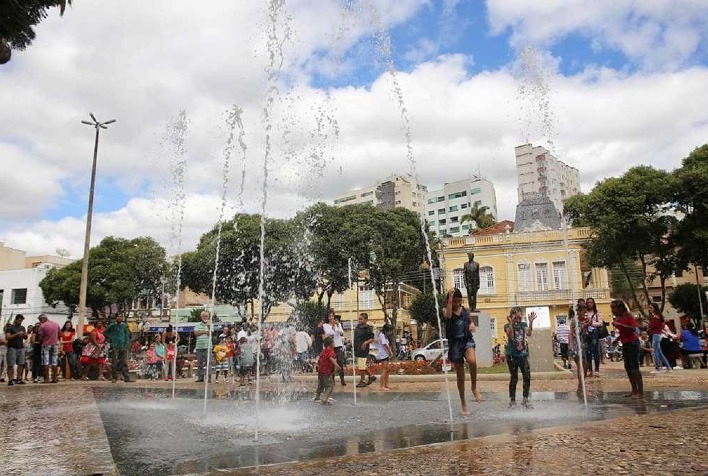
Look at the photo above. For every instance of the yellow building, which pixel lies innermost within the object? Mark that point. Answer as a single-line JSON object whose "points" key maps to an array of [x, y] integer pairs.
{"points": [[535, 269]]}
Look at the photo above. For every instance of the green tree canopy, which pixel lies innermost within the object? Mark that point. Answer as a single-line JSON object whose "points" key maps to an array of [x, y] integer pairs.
{"points": [[423, 309], [17, 21], [691, 199], [684, 298], [480, 216], [120, 270], [628, 216]]}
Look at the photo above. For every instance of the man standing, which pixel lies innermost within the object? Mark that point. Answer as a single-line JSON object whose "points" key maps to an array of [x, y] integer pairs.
{"points": [[49, 338], [203, 346], [118, 335], [303, 343], [471, 274], [562, 333], [15, 335], [363, 337], [3, 357]]}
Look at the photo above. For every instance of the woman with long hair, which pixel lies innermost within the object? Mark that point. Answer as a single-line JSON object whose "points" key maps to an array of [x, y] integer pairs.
{"points": [[656, 329], [627, 326], [461, 345], [578, 344], [383, 355], [595, 325], [67, 351]]}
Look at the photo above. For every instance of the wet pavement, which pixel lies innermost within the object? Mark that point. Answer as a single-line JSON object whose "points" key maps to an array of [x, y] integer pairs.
{"points": [[150, 433]]}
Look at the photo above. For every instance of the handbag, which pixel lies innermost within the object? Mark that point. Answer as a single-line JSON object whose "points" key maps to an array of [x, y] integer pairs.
{"points": [[602, 331]]}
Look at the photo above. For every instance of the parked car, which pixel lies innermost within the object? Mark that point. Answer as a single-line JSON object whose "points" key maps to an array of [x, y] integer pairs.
{"points": [[430, 351]]}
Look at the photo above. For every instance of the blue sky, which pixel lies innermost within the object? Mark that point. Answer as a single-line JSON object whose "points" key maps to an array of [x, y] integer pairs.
{"points": [[617, 70]]}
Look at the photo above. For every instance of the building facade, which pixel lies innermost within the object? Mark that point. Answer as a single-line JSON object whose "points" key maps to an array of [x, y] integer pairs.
{"points": [[445, 207], [395, 191], [543, 270], [539, 172]]}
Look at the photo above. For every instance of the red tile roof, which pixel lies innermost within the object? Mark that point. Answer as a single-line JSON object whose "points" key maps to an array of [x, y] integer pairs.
{"points": [[494, 229]]}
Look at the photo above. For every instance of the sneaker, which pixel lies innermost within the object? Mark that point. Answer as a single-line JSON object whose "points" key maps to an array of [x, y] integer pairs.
{"points": [[114, 380], [316, 399], [10, 383], [512, 404], [372, 379], [2, 380], [678, 367], [20, 382]]}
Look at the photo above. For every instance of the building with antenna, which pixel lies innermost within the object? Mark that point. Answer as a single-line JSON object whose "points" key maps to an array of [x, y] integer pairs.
{"points": [[539, 172], [446, 207]]}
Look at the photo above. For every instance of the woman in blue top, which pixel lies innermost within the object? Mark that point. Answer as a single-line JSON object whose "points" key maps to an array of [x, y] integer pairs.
{"points": [[517, 353], [691, 343], [461, 344]]}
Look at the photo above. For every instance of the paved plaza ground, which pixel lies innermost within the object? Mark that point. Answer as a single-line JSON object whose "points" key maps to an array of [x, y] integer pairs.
{"points": [[58, 429]]}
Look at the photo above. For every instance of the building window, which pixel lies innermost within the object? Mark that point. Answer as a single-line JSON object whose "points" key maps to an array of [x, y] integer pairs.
{"points": [[486, 280], [366, 297], [458, 279], [475, 191], [560, 280], [525, 282], [455, 229], [431, 212], [493, 326], [345, 199], [339, 301], [366, 194], [453, 196], [441, 211], [478, 203], [442, 221], [398, 202], [542, 276], [443, 231], [431, 223], [452, 209], [454, 219], [432, 200], [464, 205], [19, 296]]}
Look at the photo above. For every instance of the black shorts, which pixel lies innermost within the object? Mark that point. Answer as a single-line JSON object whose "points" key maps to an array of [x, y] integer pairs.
{"points": [[564, 350]]}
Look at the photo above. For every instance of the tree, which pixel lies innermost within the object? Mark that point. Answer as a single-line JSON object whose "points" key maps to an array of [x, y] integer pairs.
{"points": [[195, 315], [423, 309], [629, 219], [308, 313], [120, 270], [684, 298], [691, 200], [479, 216], [288, 272], [17, 21]]}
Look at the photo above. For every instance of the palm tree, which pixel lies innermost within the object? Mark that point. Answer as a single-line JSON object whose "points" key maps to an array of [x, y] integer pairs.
{"points": [[479, 216]]}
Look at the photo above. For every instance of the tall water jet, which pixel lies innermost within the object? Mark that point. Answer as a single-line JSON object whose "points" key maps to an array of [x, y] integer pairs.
{"points": [[533, 94], [233, 119], [176, 133], [274, 44], [579, 350], [384, 45]]}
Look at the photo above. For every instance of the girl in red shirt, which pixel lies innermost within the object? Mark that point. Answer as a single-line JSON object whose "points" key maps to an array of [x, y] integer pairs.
{"points": [[627, 326]]}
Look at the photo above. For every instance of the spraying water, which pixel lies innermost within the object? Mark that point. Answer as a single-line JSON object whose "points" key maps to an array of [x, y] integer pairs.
{"points": [[233, 119], [533, 94], [175, 135], [578, 348], [384, 46], [276, 10]]}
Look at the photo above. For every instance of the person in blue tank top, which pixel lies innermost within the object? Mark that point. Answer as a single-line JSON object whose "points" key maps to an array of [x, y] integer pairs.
{"points": [[461, 344]]}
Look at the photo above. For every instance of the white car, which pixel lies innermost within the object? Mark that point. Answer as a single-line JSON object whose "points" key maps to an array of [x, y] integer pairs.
{"points": [[429, 352]]}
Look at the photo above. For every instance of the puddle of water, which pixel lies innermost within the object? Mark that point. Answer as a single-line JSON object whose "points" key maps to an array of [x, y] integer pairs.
{"points": [[150, 434]]}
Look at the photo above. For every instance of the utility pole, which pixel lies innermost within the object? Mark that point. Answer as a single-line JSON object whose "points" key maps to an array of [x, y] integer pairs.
{"points": [[87, 240]]}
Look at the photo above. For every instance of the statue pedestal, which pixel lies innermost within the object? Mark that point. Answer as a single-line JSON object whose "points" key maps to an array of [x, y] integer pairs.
{"points": [[541, 350], [483, 338]]}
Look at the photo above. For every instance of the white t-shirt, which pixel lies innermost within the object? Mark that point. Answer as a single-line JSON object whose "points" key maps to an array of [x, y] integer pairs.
{"points": [[336, 332], [240, 334], [381, 351], [302, 342]]}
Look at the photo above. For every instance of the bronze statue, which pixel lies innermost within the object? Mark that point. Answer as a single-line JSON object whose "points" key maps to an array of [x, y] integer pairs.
{"points": [[471, 271]]}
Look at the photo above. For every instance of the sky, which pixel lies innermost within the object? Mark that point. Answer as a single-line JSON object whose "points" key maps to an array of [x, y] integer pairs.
{"points": [[604, 85]]}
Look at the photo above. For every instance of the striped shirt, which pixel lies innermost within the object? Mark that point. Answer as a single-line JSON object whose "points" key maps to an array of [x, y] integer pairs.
{"points": [[562, 332]]}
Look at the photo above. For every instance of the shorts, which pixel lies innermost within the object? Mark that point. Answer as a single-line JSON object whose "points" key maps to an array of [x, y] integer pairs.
{"points": [[15, 356], [50, 355], [361, 363], [564, 350], [456, 353], [243, 371]]}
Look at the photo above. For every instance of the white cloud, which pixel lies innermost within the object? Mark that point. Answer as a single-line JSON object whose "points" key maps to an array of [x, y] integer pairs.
{"points": [[159, 60], [656, 35]]}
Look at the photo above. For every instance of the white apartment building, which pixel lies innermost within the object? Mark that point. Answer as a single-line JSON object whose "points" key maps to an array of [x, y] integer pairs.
{"points": [[445, 207], [538, 171], [395, 191]]}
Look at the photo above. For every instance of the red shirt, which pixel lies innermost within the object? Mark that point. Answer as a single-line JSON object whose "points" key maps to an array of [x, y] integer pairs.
{"points": [[656, 325], [67, 339], [325, 362], [627, 334]]}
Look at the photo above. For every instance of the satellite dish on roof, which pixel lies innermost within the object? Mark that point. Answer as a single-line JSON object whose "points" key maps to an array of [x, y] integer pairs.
{"points": [[63, 252]]}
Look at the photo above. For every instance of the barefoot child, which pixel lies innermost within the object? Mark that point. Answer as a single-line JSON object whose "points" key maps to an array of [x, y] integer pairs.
{"points": [[221, 363], [326, 365], [461, 345], [517, 353], [383, 355]]}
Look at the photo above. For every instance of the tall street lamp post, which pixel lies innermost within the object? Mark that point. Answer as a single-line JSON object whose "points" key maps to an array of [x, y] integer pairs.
{"points": [[87, 240]]}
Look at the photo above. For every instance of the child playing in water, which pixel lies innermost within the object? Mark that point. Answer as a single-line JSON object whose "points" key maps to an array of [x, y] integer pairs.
{"points": [[461, 345], [517, 353], [245, 360], [326, 365]]}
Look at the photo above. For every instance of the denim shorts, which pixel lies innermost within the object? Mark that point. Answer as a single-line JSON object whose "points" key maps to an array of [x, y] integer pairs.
{"points": [[456, 353], [50, 355]]}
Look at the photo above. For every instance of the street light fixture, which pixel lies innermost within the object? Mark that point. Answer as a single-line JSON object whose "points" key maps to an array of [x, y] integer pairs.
{"points": [[87, 240]]}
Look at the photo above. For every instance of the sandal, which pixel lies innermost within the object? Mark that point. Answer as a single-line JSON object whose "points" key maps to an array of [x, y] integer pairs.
{"points": [[361, 385]]}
